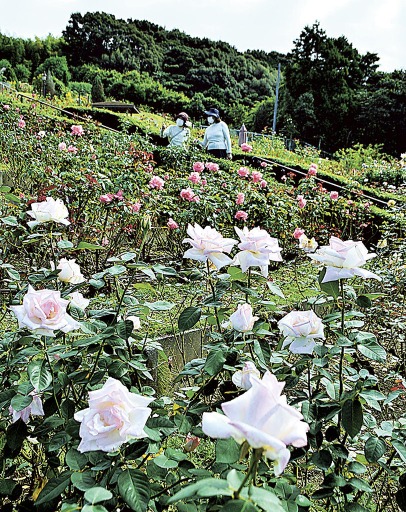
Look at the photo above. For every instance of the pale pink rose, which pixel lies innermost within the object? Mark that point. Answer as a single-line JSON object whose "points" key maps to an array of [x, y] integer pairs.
{"points": [[300, 329], [191, 443], [77, 129], [263, 183], [94, 157], [343, 260], [307, 244], [50, 210], [243, 320], [21, 123], [256, 176], [106, 198], [224, 185], [301, 201], [334, 195], [262, 418], [210, 166], [208, 244], [157, 182], [194, 177], [114, 416], [62, 146], [136, 207], [43, 312], [172, 224], [258, 248], [298, 233], [72, 149], [312, 170], [136, 322], [119, 195], [188, 195], [166, 177], [240, 198], [243, 172], [69, 272], [6, 107], [203, 182], [198, 166], [105, 242], [284, 177], [195, 199], [242, 378], [34, 409], [241, 215], [246, 147], [263, 164]]}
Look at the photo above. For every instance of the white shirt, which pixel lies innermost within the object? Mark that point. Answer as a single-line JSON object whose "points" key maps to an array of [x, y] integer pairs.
{"points": [[177, 136], [217, 136]]}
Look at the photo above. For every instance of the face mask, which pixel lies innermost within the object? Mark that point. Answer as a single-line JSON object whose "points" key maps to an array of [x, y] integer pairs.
{"points": [[210, 120], [180, 122]]}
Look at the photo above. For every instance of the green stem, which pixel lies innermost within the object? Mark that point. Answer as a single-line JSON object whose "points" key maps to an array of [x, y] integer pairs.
{"points": [[252, 470], [213, 295], [83, 390]]}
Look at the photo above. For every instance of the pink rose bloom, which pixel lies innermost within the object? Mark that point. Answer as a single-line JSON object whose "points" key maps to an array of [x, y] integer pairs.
{"points": [[21, 123], [94, 157], [62, 146], [6, 107], [195, 199], [166, 177], [188, 194], [243, 172], [77, 129], [312, 170], [240, 198], [246, 148], [194, 177], [241, 215], [298, 233], [203, 182], [157, 182], [114, 416], [172, 224], [256, 176], [263, 164], [34, 409], [334, 195], [119, 195], [301, 201], [261, 417], [106, 198], [198, 166], [212, 167], [43, 312], [263, 183], [136, 207], [72, 149], [224, 185], [284, 178]]}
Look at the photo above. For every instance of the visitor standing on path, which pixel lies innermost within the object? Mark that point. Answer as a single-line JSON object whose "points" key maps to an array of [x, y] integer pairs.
{"points": [[177, 134], [217, 139]]}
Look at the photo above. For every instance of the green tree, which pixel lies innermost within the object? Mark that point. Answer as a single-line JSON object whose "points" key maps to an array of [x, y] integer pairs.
{"points": [[50, 85], [98, 89]]}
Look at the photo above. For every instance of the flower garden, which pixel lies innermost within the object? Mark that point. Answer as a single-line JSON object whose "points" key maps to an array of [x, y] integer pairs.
{"points": [[295, 289]]}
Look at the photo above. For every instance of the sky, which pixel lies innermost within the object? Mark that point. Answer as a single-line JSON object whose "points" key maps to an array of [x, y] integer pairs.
{"points": [[376, 26]]}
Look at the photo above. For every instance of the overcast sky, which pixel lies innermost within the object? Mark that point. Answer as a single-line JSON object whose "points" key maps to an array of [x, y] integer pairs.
{"points": [[377, 26]]}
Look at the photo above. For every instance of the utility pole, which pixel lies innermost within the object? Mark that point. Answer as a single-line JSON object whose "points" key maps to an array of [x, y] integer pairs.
{"points": [[275, 109]]}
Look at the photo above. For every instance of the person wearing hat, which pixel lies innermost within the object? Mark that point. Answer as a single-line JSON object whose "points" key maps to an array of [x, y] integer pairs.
{"points": [[179, 133], [217, 139]]}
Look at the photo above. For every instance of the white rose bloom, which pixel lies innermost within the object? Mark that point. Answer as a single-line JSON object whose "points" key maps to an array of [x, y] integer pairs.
{"points": [[300, 329], [76, 299], [49, 210], [307, 244], [242, 378], [136, 322], [242, 320], [69, 272]]}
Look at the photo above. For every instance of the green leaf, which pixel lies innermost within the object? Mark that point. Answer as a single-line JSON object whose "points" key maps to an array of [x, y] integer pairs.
{"points": [[125, 329], [39, 375], [331, 288], [266, 499], [97, 494], [274, 288], [205, 488], [65, 244], [364, 302], [116, 270], [20, 402], [83, 481], [372, 350], [91, 247], [13, 274], [214, 362], [75, 460], [159, 305], [236, 274], [163, 462], [241, 506], [322, 459], [400, 448], [227, 451], [352, 416], [93, 508], [10, 487], [360, 484], [189, 318], [133, 486], [54, 488], [374, 449]]}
